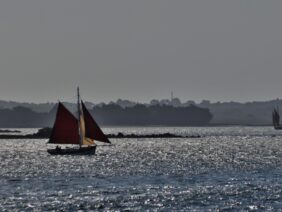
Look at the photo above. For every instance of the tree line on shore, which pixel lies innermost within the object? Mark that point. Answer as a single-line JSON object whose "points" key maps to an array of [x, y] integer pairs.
{"points": [[112, 115]]}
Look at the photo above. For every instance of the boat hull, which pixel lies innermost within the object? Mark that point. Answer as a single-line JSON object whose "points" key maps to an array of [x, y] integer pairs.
{"points": [[90, 150]]}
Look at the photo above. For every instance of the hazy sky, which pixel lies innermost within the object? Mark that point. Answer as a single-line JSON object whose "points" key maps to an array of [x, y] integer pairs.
{"points": [[141, 49]]}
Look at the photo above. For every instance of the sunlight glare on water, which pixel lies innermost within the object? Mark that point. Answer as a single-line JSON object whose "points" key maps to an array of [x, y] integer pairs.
{"points": [[227, 168]]}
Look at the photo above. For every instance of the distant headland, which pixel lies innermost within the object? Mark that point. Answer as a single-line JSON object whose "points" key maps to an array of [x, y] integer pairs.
{"points": [[157, 112]]}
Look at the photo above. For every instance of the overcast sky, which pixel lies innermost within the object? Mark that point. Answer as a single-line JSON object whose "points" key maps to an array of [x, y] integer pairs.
{"points": [[219, 50]]}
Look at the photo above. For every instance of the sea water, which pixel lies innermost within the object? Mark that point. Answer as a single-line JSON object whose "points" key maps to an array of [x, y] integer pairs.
{"points": [[237, 168]]}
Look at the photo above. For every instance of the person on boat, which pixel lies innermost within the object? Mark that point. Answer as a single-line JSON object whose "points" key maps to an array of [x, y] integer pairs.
{"points": [[58, 148]]}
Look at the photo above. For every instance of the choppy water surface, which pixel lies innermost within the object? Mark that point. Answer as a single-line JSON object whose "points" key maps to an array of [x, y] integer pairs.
{"points": [[235, 168]]}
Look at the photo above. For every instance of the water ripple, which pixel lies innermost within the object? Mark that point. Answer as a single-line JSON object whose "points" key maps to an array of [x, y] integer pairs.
{"points": [[228, 169]]}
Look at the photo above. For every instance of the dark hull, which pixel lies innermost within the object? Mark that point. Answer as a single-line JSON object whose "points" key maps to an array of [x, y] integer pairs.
{"points": [[73, 151], [278, 127]]}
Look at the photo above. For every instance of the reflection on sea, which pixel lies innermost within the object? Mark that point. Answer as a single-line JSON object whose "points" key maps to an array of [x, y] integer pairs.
{"points": [[227, 168]]}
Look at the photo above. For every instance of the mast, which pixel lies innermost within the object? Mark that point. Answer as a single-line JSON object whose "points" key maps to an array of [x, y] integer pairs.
{"points": [[79, 115]]}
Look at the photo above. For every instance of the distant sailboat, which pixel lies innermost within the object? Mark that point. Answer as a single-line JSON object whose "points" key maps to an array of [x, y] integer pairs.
{"points": [[81, 131], [276, 119]]}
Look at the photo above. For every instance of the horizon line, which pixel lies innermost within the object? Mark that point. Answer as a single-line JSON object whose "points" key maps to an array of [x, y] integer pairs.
{"points": [[139, 102]]}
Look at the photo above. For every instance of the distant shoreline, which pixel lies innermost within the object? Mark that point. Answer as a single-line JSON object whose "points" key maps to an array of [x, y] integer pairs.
{"points": [[151, 126], [115, 136], [154, 126], [125, 112]]}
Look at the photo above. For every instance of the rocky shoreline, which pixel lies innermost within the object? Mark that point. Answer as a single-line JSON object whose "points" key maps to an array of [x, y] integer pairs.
{"points": [[44, 133], [9, 131]]}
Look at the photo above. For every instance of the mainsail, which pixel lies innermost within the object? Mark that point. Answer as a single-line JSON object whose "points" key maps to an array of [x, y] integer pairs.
{"points": [[65, 130], [92, 130]]}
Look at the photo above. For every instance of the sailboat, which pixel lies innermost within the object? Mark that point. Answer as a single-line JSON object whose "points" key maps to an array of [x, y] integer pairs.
{"points": [[276, 119], [81, 131]]}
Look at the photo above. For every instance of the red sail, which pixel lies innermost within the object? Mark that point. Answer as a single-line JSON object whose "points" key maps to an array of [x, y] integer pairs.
{"points": [[65, 130], [92, 130]]}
